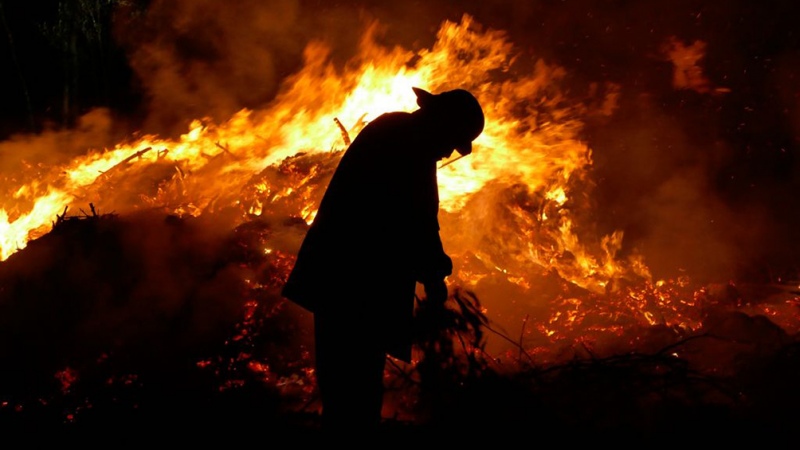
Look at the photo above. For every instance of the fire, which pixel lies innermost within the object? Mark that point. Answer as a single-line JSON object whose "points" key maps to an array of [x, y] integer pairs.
{"points": [[540, 152], [527, 176]]}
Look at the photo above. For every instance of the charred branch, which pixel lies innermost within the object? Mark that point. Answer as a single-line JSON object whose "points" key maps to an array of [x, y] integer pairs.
{"points": [[93, 214]]}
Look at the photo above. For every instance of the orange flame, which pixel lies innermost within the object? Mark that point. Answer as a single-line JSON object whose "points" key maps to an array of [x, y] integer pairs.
{"points": [[517, 209], [530, 151], [531, 139]]}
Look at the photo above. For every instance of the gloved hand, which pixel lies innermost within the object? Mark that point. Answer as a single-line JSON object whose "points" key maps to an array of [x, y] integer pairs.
{"points": [[436, 291]]}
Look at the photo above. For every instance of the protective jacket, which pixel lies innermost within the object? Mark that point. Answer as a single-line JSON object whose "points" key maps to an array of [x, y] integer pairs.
{"points": [[375, 235]]}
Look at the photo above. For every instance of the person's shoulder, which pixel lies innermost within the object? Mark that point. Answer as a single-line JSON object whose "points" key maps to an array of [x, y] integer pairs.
{"points": [[388, 127], [394, 118]]}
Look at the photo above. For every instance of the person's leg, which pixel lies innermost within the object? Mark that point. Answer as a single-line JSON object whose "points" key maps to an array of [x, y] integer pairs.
{"points": [[349, 372]]}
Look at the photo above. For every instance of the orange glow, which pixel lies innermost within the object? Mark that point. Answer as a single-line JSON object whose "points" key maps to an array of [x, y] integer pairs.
{"points": [[543, 155], [530, 150]]}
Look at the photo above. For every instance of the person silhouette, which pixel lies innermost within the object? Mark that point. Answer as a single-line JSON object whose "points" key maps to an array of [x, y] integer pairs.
{"points": [[375, 235]]}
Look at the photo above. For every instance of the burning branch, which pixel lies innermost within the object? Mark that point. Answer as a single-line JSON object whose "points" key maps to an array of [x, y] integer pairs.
{"points": [[116, 166], [345, 134], [225, 151]]}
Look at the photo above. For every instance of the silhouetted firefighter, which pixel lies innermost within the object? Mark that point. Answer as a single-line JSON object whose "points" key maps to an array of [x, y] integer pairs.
{"points": [[375, 236]]}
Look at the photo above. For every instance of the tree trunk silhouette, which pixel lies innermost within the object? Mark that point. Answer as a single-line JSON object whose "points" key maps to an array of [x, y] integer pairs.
{"points": [[15, 61], [81, 32]]}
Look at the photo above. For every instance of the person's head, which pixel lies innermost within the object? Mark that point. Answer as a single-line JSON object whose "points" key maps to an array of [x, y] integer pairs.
{"points": [[457, 116]]}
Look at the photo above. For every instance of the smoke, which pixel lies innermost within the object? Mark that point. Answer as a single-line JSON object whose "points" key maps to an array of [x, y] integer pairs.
{"points": [[94, 130], [205, 58], [688, 165], [196, 59], [697, 162], [692, 161]]}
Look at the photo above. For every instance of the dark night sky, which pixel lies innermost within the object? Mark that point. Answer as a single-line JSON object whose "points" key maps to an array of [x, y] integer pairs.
{"points": [[39, 55]]}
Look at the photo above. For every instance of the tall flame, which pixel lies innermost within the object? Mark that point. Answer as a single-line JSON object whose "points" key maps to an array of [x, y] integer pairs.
{"points": [[531, 139], [517, 214]]}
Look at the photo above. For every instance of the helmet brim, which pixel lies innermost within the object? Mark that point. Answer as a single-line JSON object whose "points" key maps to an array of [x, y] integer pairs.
{"points": [[464, 149]]}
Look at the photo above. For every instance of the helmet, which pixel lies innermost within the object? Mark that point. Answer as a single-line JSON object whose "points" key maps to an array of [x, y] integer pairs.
{"points": [[461, 110]]}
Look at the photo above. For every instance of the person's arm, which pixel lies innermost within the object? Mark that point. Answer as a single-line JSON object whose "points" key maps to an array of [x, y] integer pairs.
{"points": [[433, 277], [434, 265]]}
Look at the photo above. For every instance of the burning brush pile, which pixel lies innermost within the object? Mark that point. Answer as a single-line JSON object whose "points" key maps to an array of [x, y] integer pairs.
{"points": [[141, 284]]}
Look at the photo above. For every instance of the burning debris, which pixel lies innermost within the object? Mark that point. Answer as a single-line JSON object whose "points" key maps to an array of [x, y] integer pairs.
{"points": [[120, 322], [557, 317], [132, 313]]}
